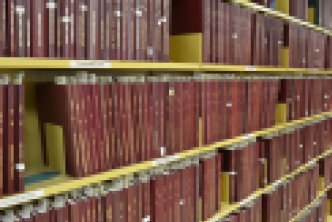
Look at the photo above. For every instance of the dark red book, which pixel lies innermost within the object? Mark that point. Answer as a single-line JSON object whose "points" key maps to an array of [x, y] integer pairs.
{"points": [[101, 25], [38, 28], [3, 29], [11, 29], [66, 29], [19, 133], [51, 26], [165, 19], [9, 139], [20, 28], [80, 20], [157, 30], [3, 122], [92, 37]]}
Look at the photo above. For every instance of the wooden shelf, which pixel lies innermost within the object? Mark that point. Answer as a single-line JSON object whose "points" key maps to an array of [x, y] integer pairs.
{"points": [[46, 189], [280, 15], [35, 63]]}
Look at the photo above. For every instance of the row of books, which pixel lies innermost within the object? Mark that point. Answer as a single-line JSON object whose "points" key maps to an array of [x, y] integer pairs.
{"points": [[109, 124], [109, 202], [11, 135], [238, 36], [85, 29]]}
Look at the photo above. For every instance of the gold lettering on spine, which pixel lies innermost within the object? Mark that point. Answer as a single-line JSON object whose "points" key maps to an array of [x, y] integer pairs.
{"points": [[109, 213], [51, 26], [28, 32], [39, 30], [20, 32], [107, 28], [94, 28]]}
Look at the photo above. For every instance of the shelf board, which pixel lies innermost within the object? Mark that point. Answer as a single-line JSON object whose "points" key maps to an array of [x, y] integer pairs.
{"points": [[233, 207], [46, 189], [45, 63], [280, 15]]}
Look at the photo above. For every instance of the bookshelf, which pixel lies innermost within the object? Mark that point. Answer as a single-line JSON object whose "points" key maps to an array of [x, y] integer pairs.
{"points": [[185, 60]]}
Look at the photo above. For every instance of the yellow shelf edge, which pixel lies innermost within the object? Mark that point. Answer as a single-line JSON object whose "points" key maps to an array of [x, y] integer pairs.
{"points": [[233, 207], [47, 63], [280, 15], [128, 170]]}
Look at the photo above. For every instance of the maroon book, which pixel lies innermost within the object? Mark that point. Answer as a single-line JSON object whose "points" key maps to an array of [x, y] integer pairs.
{"points": [[20, 28], [3, 29], [80, 28], [92, 38], [9, 140], [11, 29], [51, 25], [19, 134], [38, 28]]}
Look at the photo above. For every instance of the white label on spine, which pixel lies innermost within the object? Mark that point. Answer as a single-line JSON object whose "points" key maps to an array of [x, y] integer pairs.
{"points": [[163, 151], [301, 145], [150, 50], [20, 9], [66, 19], [84, 8], [138, 13], [89, 64], [20, 166], [234, 36], [118, 13], [250, 69], [229, 105], [51, 5], [21, 198], [182, 202]]}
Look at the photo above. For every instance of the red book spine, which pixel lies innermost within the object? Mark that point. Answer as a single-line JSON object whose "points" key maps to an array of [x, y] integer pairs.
{"points": [[9, 151], [73, 212], [109, 209], [38, 40], [101, 144], [206, 8], [213, 31], [3, 128], [79, 130], [20, 28], [80, 28], [101, 26], [166, 29], [66, 30], [11, 30], [3, 29], [51, 24], [92, 30], [19, 138], [86, 107]]}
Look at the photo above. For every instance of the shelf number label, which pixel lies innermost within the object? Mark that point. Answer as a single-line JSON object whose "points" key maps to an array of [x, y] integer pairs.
{"points": [[89, 64], [250, 69]]}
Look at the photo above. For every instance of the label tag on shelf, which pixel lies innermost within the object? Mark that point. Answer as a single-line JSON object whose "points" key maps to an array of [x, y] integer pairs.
{"points": [[21, 198], [165, 160], [250, 68], [89, 64]]}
